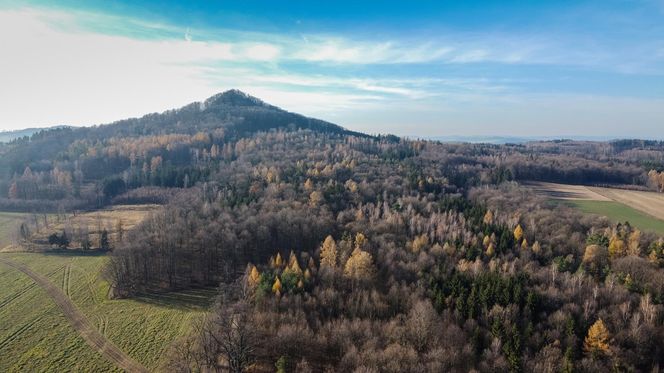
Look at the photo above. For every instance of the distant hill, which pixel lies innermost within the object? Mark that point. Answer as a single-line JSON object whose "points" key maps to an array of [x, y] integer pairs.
{"points": [[236, 112], [229, 115], [7, 136], [513, 139]]}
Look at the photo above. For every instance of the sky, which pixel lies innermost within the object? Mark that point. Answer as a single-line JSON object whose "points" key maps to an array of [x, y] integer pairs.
{"points": [[419, 68]]}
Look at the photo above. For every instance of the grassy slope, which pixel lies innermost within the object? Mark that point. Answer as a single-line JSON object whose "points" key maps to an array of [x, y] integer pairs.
{"points": [[8, 224], [34, 335], [618, 212], [144, 328]]}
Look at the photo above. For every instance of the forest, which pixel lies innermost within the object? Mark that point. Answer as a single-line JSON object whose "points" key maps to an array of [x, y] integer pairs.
{"points": [[336, 251]]}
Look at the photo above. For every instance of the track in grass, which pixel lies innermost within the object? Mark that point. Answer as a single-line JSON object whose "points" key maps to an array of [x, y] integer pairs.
{"points": [[80, 323]]}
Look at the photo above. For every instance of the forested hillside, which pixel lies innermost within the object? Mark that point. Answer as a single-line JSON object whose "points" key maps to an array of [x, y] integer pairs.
{"points": [[339, 251], [358, 254], [83, 167], [67, 168]]}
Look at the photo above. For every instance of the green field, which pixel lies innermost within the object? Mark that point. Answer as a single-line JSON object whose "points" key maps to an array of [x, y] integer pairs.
{"points": [[35, 336], [619, 212]]}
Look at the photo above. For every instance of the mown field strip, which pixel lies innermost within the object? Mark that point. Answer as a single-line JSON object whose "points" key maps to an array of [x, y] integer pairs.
{"points": [[648, 202], [644, 210], [566, 192]]}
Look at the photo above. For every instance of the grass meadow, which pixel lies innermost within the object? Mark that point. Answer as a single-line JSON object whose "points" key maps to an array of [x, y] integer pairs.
{"points": [[34, 336], [618, 212]]}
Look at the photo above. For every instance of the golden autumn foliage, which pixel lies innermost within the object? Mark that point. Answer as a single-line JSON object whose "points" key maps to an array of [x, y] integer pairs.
{"points": [[490, 250], [595, 258], [316, 198], [420, 242], [486, 241], [524, 244], [656, 179], [278, 261], [276, 287], [328, 253], [359, 266], [537, 248], [294, 265], [254, 276], [308, 185], [616, 247], [360, 241], [291, 258], [488, 217], [597, 340], [518, 232]]}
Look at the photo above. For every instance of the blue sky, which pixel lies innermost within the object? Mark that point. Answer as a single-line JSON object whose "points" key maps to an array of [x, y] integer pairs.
{"points": [[425, 68]]}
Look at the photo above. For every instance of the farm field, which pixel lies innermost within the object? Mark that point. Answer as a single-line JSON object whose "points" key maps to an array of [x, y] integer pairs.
{"points": [[648, 202], [619, 212], [567, 192], [644, 210], [35, 336]]}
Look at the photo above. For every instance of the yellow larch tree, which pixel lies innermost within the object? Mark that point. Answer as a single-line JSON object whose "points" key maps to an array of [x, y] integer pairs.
{"points": [[359, 266], [486, 241], [490, 250], [597, 340], [328, 253], [537, 248], [308, 185], [518, 233], [278, 261], [616, 247], [294, 265], [254, 277], [276, 287], [420, 242], [488, 217], [316, 198], [360, 241]]}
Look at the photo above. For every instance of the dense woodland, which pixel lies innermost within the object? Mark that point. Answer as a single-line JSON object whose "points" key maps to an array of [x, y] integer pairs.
{"points": [[342, 252]]}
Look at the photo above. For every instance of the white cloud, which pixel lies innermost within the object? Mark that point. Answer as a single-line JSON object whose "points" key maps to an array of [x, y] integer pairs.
{"points": [[53, 70], [261, 52], [83, 78]]}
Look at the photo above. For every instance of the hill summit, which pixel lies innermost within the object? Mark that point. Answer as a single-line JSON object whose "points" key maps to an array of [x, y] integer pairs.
{"points": [[234, 97]]}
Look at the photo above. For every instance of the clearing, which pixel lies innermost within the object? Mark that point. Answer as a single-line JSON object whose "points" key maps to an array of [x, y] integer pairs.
{"points": [[642, 209], [35, 334], [79, 226]]}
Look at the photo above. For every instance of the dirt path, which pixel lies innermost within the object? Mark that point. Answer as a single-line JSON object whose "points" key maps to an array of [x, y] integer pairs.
{"points": [[78, 320]]}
